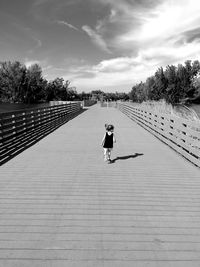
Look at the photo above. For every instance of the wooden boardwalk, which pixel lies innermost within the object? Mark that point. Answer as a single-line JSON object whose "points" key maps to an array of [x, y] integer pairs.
{"points": [[61, 205]]}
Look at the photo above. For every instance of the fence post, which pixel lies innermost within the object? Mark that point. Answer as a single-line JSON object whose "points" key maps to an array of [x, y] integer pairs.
{"points": [[24, 120], [13, 122], [1, 132]]}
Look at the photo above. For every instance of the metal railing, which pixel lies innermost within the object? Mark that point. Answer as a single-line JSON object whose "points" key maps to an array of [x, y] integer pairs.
{"points": [[21, 129], [180, 134]]}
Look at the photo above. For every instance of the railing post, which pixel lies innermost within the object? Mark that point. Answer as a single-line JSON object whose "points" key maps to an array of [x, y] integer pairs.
{"points": [[38, 116], [24, 120], [13, 123], [1, 132]]}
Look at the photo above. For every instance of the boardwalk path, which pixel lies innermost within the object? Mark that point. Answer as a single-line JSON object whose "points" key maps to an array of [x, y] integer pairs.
{"points": [[62, 206]]}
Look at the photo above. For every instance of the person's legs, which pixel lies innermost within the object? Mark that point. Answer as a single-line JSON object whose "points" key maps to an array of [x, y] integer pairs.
{"points": [[109, 153], [105, 154]]}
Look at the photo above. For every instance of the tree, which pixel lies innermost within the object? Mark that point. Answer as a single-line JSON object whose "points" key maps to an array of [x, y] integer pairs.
{"points": [[97, 94], [174, 84], [12, 81], [138, 93], [160, 84], [186, 74], [196, 85], [60, 90], [150, 89], [83, 96], [35, 85], [133, 94], [71, 93], [195, 68], [55, 90], [172, 95]]}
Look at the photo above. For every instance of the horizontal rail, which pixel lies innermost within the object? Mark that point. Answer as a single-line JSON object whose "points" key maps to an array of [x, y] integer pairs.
{"points": [[21, 129], [180, 134]]}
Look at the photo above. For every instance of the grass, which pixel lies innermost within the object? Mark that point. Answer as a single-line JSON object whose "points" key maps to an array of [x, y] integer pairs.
{"points": [[179, 111], [162, 107]]}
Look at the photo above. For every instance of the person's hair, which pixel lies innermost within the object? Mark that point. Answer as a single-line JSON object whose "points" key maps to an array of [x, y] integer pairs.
{"points": [[109, 127]]}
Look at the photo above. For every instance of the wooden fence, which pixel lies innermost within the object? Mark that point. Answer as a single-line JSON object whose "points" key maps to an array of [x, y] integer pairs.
{"points": [[21, 129], [180, 134]]}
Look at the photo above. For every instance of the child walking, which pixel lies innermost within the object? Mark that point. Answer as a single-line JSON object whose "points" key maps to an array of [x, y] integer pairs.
{"points": [[108, 141]]}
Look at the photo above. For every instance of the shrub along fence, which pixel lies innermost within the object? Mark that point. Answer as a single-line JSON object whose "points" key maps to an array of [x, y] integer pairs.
{"points": [[88, 103], [21, 129], [180, 134]]}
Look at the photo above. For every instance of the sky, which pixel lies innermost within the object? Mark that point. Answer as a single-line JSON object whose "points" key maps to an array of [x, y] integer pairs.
{"points": [[107, 45]]}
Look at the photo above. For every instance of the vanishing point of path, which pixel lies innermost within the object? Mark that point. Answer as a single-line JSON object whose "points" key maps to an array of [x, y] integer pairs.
{"points": [[61, 205]]}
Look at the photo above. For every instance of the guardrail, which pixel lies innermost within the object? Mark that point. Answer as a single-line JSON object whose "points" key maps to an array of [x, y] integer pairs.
{"points": [[180, 134], [21, 129]]}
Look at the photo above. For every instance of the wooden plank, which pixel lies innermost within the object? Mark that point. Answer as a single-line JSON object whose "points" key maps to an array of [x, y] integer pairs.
{"points": [[62, 205]]}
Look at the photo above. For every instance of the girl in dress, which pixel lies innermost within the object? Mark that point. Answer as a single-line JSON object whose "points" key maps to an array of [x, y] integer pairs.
{"points": [[108, 141]]}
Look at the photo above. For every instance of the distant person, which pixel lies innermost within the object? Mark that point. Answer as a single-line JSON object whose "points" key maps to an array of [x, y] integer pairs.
{"points": [[108, 141]]}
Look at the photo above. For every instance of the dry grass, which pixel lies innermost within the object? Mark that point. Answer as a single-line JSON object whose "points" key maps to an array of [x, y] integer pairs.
{"points": [[162, 107]]}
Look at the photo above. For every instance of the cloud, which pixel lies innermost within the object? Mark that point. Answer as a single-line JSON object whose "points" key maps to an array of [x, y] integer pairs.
{"points": [[167, 19], [96, 38], [116, 65], [141, 36], [61, 22], [158, 34], [132, 26], [114, 73], [190, 36], [28, 62]]}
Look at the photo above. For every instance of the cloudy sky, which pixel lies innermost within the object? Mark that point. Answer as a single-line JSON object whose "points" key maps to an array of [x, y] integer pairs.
{"points": [[100, 44]]}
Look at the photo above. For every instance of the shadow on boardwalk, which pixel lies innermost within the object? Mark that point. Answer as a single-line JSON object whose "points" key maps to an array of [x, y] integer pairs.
{"points": [[127, 157]]}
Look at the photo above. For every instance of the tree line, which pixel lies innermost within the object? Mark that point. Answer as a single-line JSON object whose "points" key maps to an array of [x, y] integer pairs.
{"points": [[21, 84], [175, 84], [100, 95]]}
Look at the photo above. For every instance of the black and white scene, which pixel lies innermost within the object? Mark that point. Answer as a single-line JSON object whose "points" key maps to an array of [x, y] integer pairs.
{"points": [[99, 133]]}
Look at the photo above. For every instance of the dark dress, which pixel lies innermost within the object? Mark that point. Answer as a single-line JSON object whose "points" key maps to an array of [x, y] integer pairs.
{"points": [[108, 141]]}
